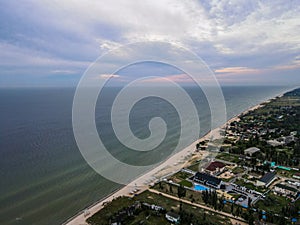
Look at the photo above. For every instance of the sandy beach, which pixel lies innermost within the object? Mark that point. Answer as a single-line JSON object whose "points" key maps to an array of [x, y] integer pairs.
{"points": [[171, 165]]}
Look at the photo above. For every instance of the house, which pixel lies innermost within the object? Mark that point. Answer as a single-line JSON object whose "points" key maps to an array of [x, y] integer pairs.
{"points": [[251, 151], [274, 143], [286, 190], [266, 180], [173, 217], [207, 179], [297, 176], [153, 207], [215, 167], [242, 157]]}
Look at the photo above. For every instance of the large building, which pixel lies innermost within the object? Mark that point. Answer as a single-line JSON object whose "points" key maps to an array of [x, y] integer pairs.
{"points": [[286, 190], [251, 151], [215, 167], [208, 180], [266, 180]]}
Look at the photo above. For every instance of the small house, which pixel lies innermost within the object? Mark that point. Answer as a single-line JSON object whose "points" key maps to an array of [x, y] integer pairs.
{"points": [[173, 217]]}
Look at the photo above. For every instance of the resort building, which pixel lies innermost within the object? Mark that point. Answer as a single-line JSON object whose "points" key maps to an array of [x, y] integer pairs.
{"points": [[286, 190], [208, 180], [251, 151], [173, 217], [266, 180], [215, 167]]}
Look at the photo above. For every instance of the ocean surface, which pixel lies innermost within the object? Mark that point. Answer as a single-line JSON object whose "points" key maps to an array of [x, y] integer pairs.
{"points": [[44, 178]]}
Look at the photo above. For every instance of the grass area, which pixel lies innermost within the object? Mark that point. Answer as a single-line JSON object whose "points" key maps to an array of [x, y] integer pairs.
{"points": [[237, 170], [228, 157], [103, 216], [194, 167], [272, 203], [170, 189], [186, 183], [177, 177], [150, 216]]}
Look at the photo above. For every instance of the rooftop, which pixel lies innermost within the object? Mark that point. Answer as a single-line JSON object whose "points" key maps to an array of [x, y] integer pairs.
{"points": [[268, 177], [206, 177], [283, 186], [251, 150], [173, 215], [214, 165]]}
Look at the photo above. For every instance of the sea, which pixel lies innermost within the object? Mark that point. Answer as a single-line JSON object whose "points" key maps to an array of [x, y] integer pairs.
{"points": [[45, 179]]}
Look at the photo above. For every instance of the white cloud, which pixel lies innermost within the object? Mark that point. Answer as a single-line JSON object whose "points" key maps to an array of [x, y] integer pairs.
{"points": [[229, 25], [105, 76], [228, 33]]}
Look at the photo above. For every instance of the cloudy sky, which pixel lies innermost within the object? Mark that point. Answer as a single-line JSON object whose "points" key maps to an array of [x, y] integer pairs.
{"points": [[52, 42]]}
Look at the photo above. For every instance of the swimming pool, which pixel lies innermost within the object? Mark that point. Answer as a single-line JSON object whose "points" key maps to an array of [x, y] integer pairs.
{"points": [[198, 187]]}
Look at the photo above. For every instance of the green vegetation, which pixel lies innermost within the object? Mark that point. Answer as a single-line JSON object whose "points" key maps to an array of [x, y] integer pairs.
{"points": [[186, 183], [272, 203], [228, 157], [172, 189], [180, 176], [194, 167], [189, 214], [237, 170]]}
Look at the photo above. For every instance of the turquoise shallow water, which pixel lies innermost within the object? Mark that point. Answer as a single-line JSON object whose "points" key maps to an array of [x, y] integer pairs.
{"points": [[45, 180]]}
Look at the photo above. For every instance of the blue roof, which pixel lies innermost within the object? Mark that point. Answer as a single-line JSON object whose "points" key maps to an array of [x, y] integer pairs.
{"points": [[207, 178], [268, 177]]}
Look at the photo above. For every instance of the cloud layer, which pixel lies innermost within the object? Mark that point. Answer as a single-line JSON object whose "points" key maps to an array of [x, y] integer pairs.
{"points": [[42, 41]]}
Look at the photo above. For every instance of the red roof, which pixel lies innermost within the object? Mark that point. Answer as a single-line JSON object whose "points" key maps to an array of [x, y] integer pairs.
{"points": [[214, 165]]}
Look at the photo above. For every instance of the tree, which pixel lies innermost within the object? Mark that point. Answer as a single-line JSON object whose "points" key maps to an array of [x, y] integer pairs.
{"points": [[249, 203], [181, 192], [251, 219], [160, 185]]}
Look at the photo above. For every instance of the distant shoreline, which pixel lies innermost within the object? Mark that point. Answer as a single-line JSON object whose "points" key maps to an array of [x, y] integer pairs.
{"points": [[173, 164]]}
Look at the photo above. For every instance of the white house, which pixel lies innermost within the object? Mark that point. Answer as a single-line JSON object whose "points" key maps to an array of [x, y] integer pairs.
{"points": [[173, 217]]}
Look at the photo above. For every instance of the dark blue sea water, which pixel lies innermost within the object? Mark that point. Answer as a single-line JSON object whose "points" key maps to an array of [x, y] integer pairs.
{"points": [[45, 180]]}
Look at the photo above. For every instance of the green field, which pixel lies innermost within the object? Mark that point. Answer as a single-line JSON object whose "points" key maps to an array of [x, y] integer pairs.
{"points": [[228, 157], [272, 203]]}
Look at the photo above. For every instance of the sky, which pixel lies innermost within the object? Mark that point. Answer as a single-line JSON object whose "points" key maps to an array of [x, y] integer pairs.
{"points": [[52, 42]]}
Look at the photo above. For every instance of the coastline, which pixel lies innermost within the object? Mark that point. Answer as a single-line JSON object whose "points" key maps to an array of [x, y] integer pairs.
{"points": [[171, 165]]}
